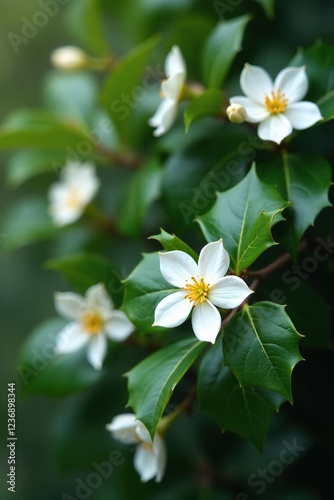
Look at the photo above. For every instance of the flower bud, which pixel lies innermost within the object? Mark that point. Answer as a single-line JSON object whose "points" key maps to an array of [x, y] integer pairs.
{"points": [[69, 58], [236, 113]]}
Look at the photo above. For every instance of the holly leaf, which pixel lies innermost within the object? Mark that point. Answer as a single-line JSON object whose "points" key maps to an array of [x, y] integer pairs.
{"points": [[208, 103], [220, 49], [326, 105], [153, 380], [304, 180], [171, 242], [245, 411], [261, 347], [243, 216]]}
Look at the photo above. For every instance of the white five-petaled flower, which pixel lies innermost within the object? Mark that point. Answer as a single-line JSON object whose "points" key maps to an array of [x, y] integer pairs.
{"points": [[69, 197], [171, 90], [94, 319], [276, 106], [150, 456], [201, 286]]}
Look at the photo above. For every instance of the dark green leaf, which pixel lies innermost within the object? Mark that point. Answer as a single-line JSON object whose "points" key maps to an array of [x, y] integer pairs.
{"points": [[326, 105], [243, 216], [221, 48], [268, 7], [206, 104], [236, 408], [152, 381], [171, 242], [261, 347]]}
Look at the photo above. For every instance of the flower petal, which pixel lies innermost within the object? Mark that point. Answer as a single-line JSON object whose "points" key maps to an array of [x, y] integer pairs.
{"points": [[70, 338], [206, 321], [229, 292], [118, 327], [255, 83], [303, 114], [164, 117], [172, 88], [145, 462], [97, 350], [68, 304], [255, 112], [293, 82], [96, 297], [213, 262], [275, 128], [173, 310], [123, 428], [177, 267], [159, 448], [175, 63]]}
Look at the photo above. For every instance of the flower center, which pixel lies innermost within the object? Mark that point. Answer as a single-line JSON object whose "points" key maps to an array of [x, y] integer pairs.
{"points": [[92, 323], [73, 199], [276, 102], [198, 290]]}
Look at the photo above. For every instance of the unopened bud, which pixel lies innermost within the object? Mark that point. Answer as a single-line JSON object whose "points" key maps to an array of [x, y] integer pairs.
{"points": [[69, 58], [236, 113]]}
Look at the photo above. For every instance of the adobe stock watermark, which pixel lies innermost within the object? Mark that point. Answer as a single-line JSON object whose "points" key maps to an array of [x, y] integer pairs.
{"points": [[223, 7], [30, 27], [264, 476], [218, 181], [299, 272], [93, 480]]}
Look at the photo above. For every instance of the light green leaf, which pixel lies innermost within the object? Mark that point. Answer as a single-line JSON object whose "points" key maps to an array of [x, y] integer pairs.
{"points": [[24, 165], [208, 103], [144, 289], [143, 189], [236, 408], [304, 180], [171, 242], [153, 380], [243, 217], [221, 48], [42, 371], [261, 347], [120, 84]]}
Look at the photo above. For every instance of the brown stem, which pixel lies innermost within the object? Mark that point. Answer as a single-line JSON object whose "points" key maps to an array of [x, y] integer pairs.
{"points": [[127, 159]]}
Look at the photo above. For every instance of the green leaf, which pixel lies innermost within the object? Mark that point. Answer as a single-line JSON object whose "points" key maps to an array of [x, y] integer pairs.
{"points": [[84, 270], [40, 130], [304, 180], [236, 408], [268, 7], [24, 165], [171, 242], [221, 48], [326, 105], [152, 381], [42, 371], [144, 289], [261, 347], [143, 189], [120, 84], [243, 216], [208, 103]]}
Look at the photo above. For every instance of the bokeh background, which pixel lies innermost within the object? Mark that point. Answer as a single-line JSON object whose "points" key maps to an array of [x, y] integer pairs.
{"points": [[56, 438]]}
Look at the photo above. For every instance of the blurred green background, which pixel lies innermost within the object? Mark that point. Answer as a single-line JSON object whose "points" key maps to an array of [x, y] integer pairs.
{"points": [[50, 444]]}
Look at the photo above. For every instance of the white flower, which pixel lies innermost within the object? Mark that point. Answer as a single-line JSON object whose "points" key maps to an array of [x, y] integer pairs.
{"points": [[276, 105], [171, 90], [150, 456], [94, 319], [236, 113], [69, 197], [69, 58], [201, 286]]}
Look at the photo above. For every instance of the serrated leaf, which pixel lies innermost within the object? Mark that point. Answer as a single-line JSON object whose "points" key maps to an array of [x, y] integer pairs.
{"points": [[121, 82], [144, 289], [143, 189], [243, 216], [206, 104], [261, 347], [152, 381], [304, 180], [236, 408], [42, 371], [221, 48], [171, 242]]}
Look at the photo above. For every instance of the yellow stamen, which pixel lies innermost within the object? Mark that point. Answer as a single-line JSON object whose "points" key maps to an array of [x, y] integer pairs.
{"points": [[73, 199], [276, 102], [147, 446], [92, 322], [198, 290]]}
